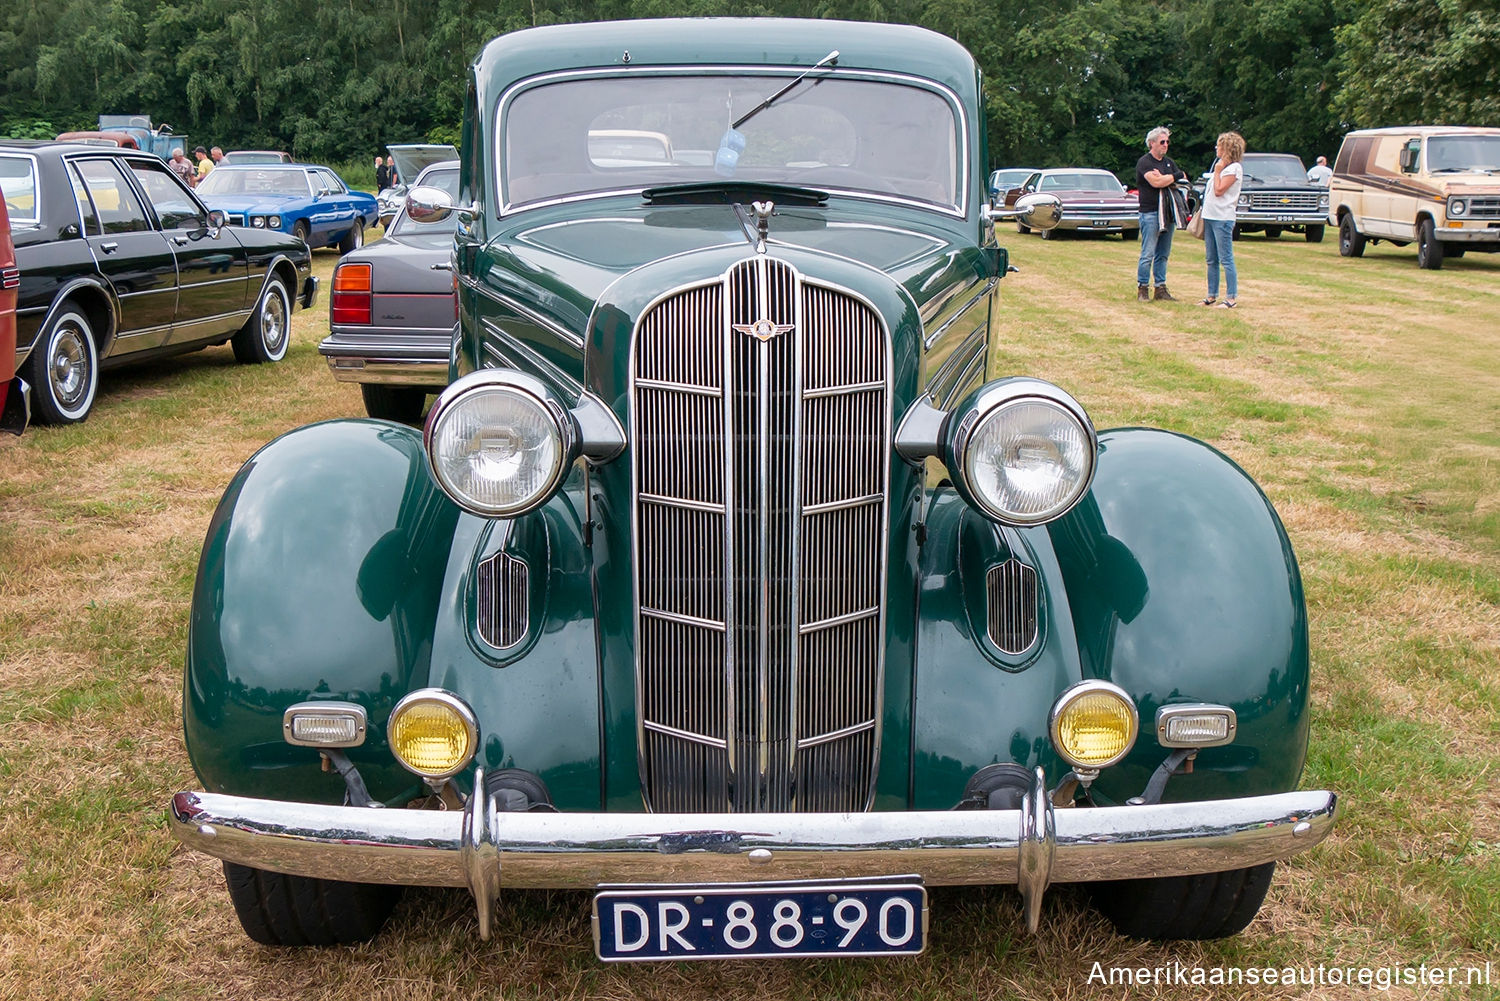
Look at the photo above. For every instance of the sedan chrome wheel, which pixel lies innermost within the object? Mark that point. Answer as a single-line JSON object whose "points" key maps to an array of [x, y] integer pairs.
{"points": [[268, 332], [65, 369]]}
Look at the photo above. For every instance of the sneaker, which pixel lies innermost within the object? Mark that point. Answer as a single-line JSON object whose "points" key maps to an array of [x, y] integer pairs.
{"points": [[1162, 295], [1143, 293]]}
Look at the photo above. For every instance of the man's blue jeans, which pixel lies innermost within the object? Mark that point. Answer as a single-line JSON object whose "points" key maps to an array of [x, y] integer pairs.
{"points": [[1156, 244], [1218, 244]]}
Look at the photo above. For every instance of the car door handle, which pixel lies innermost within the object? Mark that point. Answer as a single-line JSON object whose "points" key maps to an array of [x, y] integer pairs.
{"points": [[109, 248], [181, 241]]}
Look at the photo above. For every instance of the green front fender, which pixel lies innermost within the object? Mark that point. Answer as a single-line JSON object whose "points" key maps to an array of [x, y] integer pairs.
{"points": [[1174, 579], [335, 570]]}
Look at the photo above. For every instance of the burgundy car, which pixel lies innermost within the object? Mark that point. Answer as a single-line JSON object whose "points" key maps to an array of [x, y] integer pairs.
{"points": [[14, 402], [1092, 200]]}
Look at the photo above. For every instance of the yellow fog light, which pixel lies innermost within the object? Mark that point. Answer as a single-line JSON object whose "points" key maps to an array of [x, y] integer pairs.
{"points": [[1093, 724], [433, 733]]}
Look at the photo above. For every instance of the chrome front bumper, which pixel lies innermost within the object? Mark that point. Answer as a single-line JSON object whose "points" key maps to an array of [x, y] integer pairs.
{"points": [[486, 848]]}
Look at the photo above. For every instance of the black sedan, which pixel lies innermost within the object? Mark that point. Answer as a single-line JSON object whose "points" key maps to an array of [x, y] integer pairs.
{"points": [[392, 311], [121, 262]]}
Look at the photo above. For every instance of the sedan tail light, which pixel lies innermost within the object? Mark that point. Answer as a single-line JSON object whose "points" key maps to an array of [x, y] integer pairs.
{"points": [[351, 301]]}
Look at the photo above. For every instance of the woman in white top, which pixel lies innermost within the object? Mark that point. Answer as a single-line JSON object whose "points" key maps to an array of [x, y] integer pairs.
{"points": [[1220, 196]]}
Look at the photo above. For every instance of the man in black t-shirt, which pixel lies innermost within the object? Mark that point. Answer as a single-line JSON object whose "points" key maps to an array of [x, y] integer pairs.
{"points": [[1153, 172]]}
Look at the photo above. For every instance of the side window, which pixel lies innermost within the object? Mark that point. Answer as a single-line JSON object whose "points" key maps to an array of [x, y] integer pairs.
{"points": [[18, 187], [85, 204], [1410, 156], [174, 206], [331, 182], [119, 209]]}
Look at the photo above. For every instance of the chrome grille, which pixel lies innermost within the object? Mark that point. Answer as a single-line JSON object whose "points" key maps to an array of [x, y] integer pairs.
{"points": [[1483, 207], [504, 602], [1012, 595], [235, 219], [760, 469], [1284, 201]]}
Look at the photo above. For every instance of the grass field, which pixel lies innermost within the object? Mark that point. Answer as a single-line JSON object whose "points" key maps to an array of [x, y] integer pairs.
{"points": [[1364, 395]]}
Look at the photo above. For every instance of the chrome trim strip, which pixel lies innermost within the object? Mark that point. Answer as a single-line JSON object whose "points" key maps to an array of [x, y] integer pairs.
{"points": [[533, 359], [837, 620], [673, 731], [973, 301], [956, 105], [847, 731], [850, 390], [686, 620], [573, 338], [570, 850], [678, 387], [681, 502], [843, 505]]}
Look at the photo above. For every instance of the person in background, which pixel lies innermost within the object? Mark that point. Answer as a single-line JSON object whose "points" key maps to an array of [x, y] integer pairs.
{"points": [[183, 168], [1321, 172], [391, 175], [216, 154], [1153, 172], [382, 175], [1220, 196], [204, 163]]}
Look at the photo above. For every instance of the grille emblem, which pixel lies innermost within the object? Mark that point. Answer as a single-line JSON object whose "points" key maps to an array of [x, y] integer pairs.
{"points": [[762, 330]]}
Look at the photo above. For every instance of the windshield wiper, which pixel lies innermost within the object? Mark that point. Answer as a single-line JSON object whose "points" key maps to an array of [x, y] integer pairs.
{"points": [[733, 192], [829, 60]]}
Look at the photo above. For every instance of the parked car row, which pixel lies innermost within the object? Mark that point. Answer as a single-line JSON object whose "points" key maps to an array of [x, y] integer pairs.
{"points": [[120, 261]]}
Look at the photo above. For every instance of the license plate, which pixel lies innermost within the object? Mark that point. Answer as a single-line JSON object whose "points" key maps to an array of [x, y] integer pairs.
{"points": [[757, 920], [1098, 222], [1284, 218]]}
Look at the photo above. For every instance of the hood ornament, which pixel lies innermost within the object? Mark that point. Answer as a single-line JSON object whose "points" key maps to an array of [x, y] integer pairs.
{"points": [[763, 211]]}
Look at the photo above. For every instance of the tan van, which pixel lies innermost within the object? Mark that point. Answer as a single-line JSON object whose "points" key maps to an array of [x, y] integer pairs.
{"points": [[1435, 185]]}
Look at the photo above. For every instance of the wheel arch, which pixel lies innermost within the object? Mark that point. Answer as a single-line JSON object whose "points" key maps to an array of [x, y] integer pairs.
{"points": [[99, 305]]}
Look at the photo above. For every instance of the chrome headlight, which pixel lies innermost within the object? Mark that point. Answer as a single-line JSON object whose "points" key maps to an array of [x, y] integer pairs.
{"points": [[273, 222], [1023, 451], [257, 222], [498, 443], [1244, 198], [1457, 207], [1323, 201]]}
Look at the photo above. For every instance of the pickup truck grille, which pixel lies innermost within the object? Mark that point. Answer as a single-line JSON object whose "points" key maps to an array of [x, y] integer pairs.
{"points": [[761, 432], [1484, 207], [1284, 201]]}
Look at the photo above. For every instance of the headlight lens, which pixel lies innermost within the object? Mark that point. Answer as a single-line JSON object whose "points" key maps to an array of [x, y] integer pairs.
{"points": [[1457, 207], [496, 448], [1029, 460], [257, 222], [273, 222], [1093, 724], [433, 733]]}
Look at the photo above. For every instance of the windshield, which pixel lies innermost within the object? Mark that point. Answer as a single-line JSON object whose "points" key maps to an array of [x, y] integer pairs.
{"points": [[248, 181], [1102, 183], [243, 157], [1275, 169], [1463, 153], [628, 132], [445, 179]]}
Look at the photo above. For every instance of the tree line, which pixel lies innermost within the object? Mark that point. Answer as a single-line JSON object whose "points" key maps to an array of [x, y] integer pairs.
{"points": [[1067, 81]]}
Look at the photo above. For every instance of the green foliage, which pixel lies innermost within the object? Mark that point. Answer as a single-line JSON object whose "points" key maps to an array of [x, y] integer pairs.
{"points": [[1069, 81]]}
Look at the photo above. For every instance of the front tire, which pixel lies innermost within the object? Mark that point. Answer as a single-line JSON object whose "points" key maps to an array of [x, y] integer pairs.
{"points": [[1314, 234], [354, 239], [1049, 234], [276, 909], [1211, 905], [1429, 247], [64, 368], [1351, 241], [1022, 228], [268, 332], [301, 230], [401, 404]]}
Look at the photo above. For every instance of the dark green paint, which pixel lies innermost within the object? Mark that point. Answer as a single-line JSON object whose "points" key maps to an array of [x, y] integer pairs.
{"points": [[335, 569]]}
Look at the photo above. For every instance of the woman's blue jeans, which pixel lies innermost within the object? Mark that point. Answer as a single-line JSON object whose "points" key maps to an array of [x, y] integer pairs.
{"points": [[1218, 244]]}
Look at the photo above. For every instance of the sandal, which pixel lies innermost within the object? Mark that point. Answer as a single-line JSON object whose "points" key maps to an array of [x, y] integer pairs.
{"points": [[1227, 304], [1208, 302]]}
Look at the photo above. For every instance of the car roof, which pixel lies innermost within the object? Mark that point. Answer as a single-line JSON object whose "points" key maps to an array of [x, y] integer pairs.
{"points": [[728, 41], [1428, 130], [440, 165]]}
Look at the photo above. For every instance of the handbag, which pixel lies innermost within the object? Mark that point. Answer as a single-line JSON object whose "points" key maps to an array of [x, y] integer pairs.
{"points": [[1195, 224]]}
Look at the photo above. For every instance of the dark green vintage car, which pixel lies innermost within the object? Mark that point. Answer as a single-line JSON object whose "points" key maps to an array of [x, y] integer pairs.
{"points": [[721, 582]]}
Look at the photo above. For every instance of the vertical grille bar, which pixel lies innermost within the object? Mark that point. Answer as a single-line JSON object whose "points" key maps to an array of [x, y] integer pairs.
{"points": [[1011, 589], [760, 413], [504, 600]]}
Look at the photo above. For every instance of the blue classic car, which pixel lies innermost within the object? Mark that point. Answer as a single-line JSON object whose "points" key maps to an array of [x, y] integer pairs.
{"points": [[726, 580], [305, 200]]}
